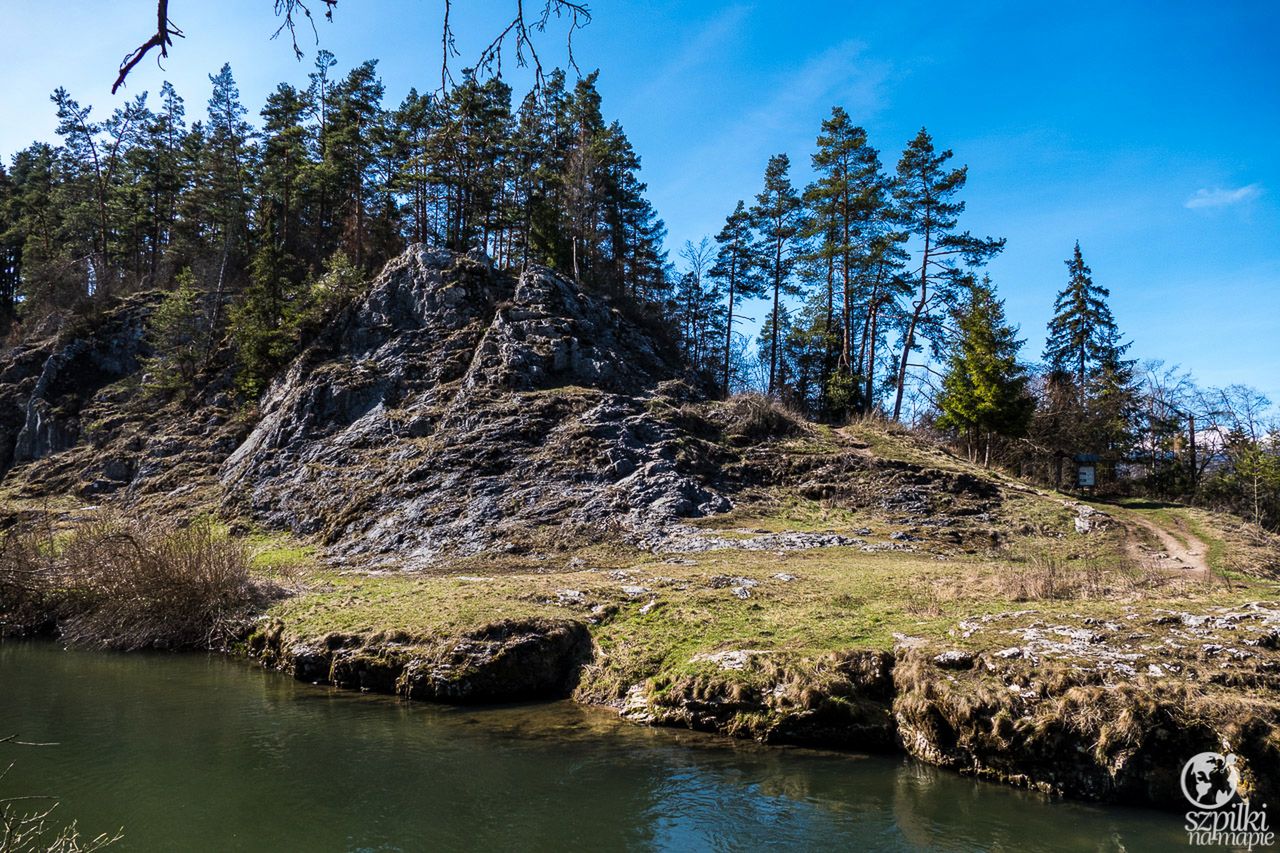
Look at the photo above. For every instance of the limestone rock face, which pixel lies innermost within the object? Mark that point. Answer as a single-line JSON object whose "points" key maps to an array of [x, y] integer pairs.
{"points": [[455, 409], [45, 382]]}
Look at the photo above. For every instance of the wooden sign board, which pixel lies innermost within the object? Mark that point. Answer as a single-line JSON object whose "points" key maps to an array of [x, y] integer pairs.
{"points": [[1086, 477]]}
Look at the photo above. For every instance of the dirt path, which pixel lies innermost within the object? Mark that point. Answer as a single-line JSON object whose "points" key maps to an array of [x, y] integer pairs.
{"points": [[1183, 552]]}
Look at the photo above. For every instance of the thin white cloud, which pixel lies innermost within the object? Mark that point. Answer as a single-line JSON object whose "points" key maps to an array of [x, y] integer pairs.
{"points": [[698, 50], [1222, 197]]}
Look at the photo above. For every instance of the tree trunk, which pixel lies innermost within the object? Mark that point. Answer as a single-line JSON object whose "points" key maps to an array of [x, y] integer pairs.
{"points": [[773, 346], [909, 340], [728, 326]]}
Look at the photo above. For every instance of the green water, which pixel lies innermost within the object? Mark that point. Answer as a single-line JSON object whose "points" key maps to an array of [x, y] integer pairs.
{"points": [[190, 753]]}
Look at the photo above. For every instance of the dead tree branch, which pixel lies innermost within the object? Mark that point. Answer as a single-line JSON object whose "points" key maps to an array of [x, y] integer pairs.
{"points": [[288, 8], [163, 37], [519, 31]]}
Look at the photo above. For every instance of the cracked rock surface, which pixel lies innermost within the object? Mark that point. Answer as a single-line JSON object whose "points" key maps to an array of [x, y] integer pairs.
{"points": [[455, 410]]}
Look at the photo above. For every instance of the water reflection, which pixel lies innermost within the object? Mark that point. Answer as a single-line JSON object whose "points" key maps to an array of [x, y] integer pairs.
{"points": [[197, 753]]}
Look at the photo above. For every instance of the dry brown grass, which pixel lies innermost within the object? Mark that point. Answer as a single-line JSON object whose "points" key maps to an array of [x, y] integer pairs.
{"points": [[119, 583], [1043, 575], [754, 417]]}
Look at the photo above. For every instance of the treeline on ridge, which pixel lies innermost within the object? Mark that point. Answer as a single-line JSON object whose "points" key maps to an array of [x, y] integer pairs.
{"points": [[874, 298]]}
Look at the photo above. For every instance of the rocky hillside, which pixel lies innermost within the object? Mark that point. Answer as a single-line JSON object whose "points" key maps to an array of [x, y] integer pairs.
{"points": [[456, 410], [452, 410], [479, 486]]}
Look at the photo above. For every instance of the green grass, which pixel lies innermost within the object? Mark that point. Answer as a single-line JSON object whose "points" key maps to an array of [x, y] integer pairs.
{"points": [[279, 554], [842, 599]]}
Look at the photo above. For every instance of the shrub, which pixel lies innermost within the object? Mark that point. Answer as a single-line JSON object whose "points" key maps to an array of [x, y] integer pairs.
{"points": [[27, 597], [118, 583], [756, 417]]}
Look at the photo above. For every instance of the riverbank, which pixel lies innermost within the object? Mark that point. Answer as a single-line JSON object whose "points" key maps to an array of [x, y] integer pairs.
{"points": [[1086, 677], [877, 595], [204, 751]]}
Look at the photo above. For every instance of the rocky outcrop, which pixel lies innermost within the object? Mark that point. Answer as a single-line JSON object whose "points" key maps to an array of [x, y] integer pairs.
{"points": [[451, 410], [46, 382], [842, 700], [455, 410], [502, 662]]}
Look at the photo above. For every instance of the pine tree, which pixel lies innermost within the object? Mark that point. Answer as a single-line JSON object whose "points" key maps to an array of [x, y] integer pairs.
{"points": [[225, 175], [414, 123], [10, 252], [282, 180], [162, 179], [984, 391], [737, 267], [777, 217], [542, 143], [809, 337], [350, 130], [93, 155], [36, 231], [926, 195], [850, 209], [885, 281]]}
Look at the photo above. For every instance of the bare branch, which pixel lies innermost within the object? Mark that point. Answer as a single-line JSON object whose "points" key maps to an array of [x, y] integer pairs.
{"points": [[165, 30], [288, 8], [520, 31]]}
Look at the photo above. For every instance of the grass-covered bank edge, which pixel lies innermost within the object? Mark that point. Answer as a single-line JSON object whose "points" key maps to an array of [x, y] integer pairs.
{"points": [[1055, 668]]}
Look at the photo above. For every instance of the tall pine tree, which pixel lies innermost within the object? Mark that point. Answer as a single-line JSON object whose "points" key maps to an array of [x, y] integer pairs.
{"points": [[778, 218], [926, 192], [737, 268]]}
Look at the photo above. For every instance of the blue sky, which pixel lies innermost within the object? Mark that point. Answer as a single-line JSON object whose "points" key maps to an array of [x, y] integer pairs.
{"points": [[1148, 131]]}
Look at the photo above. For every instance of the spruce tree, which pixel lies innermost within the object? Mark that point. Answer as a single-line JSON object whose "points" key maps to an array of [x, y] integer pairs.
{"points": [[1083, 337], [1090, 386], [984, 391]]}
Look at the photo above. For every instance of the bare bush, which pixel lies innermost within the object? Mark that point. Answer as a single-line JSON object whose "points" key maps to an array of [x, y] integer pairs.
{"points": [[120, 583], [27, 588], [755, 417]]}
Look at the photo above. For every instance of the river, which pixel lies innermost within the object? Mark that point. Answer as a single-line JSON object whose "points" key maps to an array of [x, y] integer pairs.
{"points": [[195, 752]]}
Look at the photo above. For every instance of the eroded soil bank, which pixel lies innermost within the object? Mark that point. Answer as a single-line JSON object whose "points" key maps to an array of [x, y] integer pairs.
{"points": [[1105, 710]]}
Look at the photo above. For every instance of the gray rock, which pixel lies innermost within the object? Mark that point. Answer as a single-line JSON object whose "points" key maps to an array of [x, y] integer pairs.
{"points": [[455, 409], [954, 659]]}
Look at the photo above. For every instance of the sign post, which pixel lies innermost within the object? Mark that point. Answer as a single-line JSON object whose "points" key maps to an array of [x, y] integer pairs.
{"points": [[1086, 470]]}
